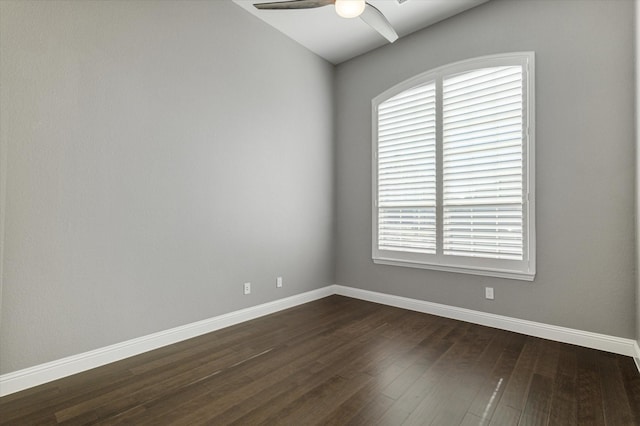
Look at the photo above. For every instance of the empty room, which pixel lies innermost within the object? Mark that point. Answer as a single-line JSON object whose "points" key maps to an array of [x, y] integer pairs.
{"points": [[298, 212]]}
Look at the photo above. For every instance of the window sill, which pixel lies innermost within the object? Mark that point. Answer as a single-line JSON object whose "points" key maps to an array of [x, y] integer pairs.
{"points": [[513, 275]]}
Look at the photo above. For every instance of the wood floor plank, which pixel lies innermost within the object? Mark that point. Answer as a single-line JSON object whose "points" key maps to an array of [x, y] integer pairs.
{"points": [[311, 407], [350, 408], [339, 361], [505, 416], [563, 411], [567, 361], [371, 412], [411, 396], [487, 398], [588, 389], [538, 405], [472, 420], [614, 396], [631, 380], [445, 393], [516, 391], [547, 360]]}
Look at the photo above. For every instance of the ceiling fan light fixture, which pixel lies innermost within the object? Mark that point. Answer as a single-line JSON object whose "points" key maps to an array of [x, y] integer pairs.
{"points": [[349, 8]]}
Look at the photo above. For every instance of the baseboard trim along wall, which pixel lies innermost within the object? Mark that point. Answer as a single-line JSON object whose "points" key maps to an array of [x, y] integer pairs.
{"points": [[43, 373], [587, 339]]}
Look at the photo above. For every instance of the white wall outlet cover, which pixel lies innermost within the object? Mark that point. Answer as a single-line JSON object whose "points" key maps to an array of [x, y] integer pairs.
{"points": [[488, 293], [279, 282]]}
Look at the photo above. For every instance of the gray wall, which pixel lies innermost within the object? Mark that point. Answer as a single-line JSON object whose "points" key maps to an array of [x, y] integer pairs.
{"points": [[637, 122], [584, 165], [157, 155]]}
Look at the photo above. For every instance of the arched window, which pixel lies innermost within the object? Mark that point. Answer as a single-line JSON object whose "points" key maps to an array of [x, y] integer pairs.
{"points": [[453, 169]]}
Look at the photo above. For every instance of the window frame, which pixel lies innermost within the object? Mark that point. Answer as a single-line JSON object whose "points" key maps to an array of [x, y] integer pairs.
{"points": [[524, 269]]}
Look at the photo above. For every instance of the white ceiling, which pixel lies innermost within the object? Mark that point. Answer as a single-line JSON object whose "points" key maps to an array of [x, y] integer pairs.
{"points": [[338, 39]]}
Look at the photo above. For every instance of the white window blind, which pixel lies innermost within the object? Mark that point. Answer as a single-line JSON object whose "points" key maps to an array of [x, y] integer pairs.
{"points": [[453, 169], [407, 171], [482, 164]]}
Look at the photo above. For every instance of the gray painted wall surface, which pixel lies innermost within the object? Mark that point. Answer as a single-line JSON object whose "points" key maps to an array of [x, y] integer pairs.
{"points": [[157, 155], [637, 122], [584, 164]]}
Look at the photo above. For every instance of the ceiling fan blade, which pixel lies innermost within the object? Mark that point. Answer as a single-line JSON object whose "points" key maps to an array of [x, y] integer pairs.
{"points": [[294, 4], [378, 22]]}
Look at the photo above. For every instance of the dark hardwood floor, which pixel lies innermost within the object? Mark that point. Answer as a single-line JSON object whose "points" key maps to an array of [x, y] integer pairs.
{"points": [[343, 361]]}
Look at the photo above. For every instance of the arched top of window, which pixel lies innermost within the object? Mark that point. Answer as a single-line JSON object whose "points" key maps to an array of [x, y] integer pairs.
{"points": [[453, 174]]}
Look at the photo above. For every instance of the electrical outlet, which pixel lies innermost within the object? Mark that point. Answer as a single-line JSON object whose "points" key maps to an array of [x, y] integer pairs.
{"points": [[488, 293], [247, 288], [279, 282]]}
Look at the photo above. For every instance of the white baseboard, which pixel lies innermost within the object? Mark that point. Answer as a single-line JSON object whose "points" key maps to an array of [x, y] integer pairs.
{"points": [[587, 339], [43, 373]]}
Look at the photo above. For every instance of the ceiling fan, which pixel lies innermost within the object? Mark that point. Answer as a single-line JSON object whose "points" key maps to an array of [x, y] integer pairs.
{"points": [[345, 8]]}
